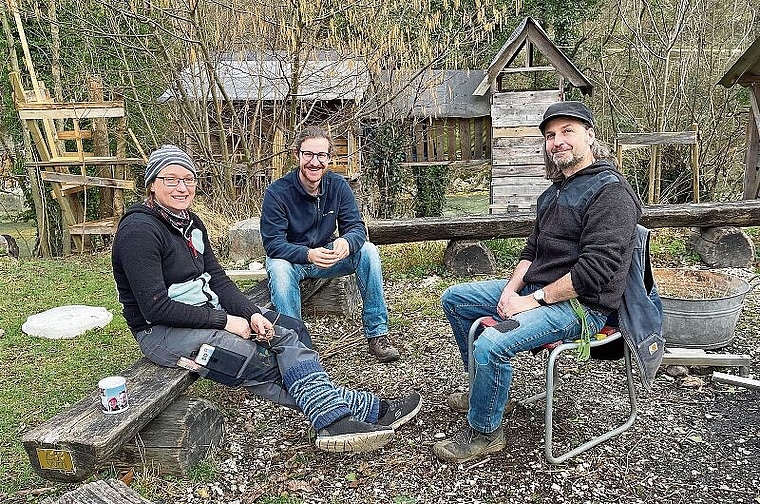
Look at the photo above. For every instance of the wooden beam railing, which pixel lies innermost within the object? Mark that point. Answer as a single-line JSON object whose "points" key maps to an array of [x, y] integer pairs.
{"points": [[519, 225]]}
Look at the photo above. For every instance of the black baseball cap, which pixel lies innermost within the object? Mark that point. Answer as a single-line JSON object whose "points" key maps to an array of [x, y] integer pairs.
{"points": [[574, 109]]}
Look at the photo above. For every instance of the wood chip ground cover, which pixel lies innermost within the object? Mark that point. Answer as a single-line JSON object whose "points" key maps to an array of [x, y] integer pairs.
{"points": [[694, 441]]}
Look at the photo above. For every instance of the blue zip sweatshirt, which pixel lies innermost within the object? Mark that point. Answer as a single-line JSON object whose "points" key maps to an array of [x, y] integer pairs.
{"points": [[293, 221]]}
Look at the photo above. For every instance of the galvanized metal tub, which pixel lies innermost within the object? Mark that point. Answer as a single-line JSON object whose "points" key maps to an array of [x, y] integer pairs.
{"points": [[700, 308]]}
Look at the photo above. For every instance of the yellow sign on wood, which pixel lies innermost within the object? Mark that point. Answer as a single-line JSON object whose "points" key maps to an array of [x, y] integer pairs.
{"points": [[55, 460]]}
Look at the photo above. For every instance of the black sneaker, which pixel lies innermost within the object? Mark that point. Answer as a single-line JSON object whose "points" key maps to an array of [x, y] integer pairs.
{"points": [[382, 348], [350, 435], [401, 410]]}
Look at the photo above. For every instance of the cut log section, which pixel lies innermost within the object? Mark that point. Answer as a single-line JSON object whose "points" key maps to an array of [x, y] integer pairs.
{"points": [[339, 296], [187, 431], [469, 257], [723, 247], [100, 492]]}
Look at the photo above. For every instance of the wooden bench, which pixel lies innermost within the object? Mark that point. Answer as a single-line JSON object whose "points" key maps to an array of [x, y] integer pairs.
{"points": [[161, 428], [73, 444]]}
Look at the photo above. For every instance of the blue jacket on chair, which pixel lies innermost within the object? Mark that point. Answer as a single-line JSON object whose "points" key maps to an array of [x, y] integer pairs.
{"points": [[640, 312]]}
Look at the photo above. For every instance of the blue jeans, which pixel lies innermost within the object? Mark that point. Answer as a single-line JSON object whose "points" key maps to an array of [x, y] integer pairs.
{"points": [[284, 278], [465, 303]]}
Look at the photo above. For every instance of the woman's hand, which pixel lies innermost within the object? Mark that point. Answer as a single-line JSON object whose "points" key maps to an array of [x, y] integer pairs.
{"points": [[238, 325], [262, 328]]}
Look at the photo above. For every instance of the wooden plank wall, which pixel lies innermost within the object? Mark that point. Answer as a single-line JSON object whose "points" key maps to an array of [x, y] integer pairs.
{"points": [[752, 155], [346, 158], [517, 177], [449, 140]]}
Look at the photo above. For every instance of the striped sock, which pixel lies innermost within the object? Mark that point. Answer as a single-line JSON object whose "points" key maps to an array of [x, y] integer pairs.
{"points": [[315, 394], [365, 405]]}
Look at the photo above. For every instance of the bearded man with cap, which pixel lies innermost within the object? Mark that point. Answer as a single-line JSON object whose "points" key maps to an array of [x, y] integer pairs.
{"points": [[580, 248], [185, 311]]}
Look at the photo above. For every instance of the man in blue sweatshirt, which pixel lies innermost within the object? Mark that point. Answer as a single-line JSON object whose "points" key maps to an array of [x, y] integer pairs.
{"points": [[300, 215]]}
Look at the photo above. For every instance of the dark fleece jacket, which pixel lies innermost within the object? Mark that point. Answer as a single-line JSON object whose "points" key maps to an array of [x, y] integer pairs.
{"points": [[585, 225], [149, 256]]}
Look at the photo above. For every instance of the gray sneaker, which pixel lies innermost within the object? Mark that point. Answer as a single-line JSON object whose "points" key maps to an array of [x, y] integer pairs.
{"points": [[382, 348], [468, 444], [351, 435], [459, 401]]}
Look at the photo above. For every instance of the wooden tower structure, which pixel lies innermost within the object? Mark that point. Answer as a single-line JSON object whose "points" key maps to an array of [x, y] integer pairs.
{"points": [[517, 79], [79, 145], [746, 72]]}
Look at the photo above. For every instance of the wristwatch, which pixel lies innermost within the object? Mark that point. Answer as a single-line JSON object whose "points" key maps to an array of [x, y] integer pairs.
{"points": [[539, 296]]}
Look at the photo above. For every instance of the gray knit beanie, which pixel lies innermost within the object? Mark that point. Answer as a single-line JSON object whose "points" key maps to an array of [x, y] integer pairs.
{"points": [[164, 156]]}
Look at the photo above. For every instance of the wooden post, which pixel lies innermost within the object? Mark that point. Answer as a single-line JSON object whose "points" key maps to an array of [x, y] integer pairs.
{"points": [[619, 154], [478, 122], [751, 168], [695, 162], [652, 174], [430, 143], [451, 130], [420, 142], [439, 132], [100, 148]]}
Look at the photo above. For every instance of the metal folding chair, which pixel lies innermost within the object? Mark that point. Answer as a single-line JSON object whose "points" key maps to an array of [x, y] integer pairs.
{"points": [[555, 350]]}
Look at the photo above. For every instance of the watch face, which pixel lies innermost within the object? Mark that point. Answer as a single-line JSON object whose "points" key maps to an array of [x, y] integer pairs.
{"points": [[539, 295]]}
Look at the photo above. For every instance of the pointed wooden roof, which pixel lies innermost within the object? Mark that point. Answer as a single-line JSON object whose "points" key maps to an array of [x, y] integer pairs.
{"points": [[746, 70], [530, 31]]}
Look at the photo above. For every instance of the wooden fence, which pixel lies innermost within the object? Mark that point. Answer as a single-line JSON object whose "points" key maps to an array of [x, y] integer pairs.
{"points": [[449, 141]]}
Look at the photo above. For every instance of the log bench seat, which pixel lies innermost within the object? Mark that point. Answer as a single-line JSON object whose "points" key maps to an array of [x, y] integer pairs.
{"points": [[73, 444], [161, 429], [112, 491]]}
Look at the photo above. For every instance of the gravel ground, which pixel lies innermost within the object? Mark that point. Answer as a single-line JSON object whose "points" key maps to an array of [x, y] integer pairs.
{"points": [[694, 441]]}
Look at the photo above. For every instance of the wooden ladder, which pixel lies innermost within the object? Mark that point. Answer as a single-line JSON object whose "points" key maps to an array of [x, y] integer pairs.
{"points": [[63, 134]]}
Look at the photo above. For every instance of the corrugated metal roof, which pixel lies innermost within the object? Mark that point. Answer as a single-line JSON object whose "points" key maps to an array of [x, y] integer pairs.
{"points": [[269, 78], [442, 93]]}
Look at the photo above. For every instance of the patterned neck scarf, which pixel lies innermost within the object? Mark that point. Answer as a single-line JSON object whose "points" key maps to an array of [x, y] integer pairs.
{"points": [[181, 221]]}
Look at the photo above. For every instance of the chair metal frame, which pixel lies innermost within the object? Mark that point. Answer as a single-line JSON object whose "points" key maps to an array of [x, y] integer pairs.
{"points": [[548, 394]]}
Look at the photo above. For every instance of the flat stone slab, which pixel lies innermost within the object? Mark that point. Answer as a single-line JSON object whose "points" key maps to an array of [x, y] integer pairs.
{"points": [[65, 322]]}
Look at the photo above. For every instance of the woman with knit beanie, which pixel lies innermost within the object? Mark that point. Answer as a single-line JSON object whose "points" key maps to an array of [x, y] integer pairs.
{"points": [[184, 311]]}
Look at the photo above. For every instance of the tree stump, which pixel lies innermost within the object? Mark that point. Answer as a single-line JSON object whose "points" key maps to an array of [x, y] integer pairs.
{"points": [[340, 296], [469, 257], [188, 430], [723, 247]]}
